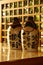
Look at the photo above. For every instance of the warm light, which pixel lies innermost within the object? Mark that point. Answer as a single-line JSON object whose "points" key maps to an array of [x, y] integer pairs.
{"points": [[26, 9], [41, 48], [42, 18], [8, 5], [3, 14], [8, 40], [32, 3], [42, 25], [22, 38], [42, 6], [41, 34]]}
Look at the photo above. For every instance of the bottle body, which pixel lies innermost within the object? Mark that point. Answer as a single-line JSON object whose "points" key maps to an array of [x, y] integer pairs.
{"points": [[14, 38], [30, 39]]}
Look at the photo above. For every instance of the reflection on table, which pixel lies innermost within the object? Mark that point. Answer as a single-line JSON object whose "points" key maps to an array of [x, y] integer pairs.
{"points": [[10, 55]]}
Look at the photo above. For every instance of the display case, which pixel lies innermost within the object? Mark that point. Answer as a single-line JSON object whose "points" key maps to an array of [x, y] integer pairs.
{"points": [[22, 9]]}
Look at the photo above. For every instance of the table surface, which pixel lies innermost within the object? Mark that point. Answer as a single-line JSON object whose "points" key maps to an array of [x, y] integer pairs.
{"points": [[12, 55]]}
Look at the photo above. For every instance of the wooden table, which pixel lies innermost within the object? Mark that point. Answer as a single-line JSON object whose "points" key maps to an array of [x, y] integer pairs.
{"points": [[19, 57]]}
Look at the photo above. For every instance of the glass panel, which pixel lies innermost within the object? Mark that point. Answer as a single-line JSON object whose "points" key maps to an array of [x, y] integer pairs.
{"points": [[7, 26], [20, 18], [30, 10], [3, 33], [25, 3], [11, 19], [3, 6], [36, 9], [41, 9], [20, 4], [5, 40], [3, 20], [36, 17], [15, 12], [25, 10], [36, 2], [11, 5], [39, 34], [2, 40], [20, 11], [31, 2], [15, 4], [7, 5], [25, 18], [37, 25], [41, 1], [2, 26], [7, 20], [41, 26], [11, 12], [7, 13], [3, 13], [41, 18]]}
